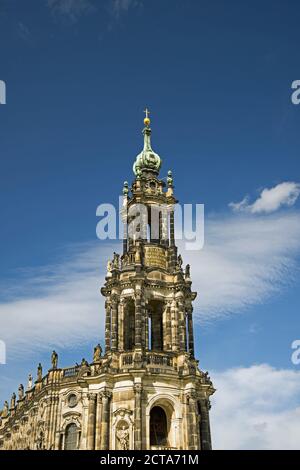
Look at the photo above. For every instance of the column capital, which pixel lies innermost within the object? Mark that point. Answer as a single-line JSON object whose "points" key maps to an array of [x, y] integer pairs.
{"points": [[105, 394], [138, 388]]}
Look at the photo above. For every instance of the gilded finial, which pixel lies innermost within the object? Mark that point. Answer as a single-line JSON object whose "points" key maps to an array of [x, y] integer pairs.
{"points": [[147, 119]]}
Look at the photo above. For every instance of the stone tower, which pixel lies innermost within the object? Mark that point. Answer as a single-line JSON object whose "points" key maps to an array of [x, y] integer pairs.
{"points": [[156, 396], [146, 391]]}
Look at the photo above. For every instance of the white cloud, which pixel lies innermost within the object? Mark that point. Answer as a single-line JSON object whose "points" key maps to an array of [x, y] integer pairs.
{"points": [[120, 7], [244, 261], [256, 408], [73, 9], [56, 305], [270, 200]]}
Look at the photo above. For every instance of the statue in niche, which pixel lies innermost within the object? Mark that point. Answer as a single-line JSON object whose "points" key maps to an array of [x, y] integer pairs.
{"points": [[54, 359], [40, 441], [97, 353], [123, 437], [13, 401], [21, 392]]}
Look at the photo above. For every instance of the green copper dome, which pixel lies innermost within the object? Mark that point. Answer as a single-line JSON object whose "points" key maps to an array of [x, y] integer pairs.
{"points": [[147, 160]]}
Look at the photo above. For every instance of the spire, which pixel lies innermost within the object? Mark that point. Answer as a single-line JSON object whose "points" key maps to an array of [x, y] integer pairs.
{"points": [[147, 160]]}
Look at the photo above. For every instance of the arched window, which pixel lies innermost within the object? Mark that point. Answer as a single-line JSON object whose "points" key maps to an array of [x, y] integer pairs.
{"points": [[129, 325], [71, 437], [158, 427]]}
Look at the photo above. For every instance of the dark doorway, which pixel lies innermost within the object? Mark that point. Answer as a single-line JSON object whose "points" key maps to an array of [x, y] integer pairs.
{"points": [[158, 427]]}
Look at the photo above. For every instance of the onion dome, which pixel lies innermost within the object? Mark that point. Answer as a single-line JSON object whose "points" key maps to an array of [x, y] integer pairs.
{"points": [[147, 160]]}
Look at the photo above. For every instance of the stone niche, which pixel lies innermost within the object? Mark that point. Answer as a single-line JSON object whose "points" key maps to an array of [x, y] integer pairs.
{"points": [[122, 429]]}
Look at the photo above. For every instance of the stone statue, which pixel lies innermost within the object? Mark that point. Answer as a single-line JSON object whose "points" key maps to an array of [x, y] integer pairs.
{"points": [[97, 353], [179, 261], [109, 266], [187, 271], [116, 260], [123, 438], [40, 441], [13, 401], [54, 359], [30, 380], [21, 391], [39, 372], [84, 363], [5, 411]]}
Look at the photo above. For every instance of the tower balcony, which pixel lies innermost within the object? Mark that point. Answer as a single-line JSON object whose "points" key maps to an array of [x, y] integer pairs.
{"points": [[151, 360]]}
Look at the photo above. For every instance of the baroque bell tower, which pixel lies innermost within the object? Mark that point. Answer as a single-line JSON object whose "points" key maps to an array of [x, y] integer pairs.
{"points": [[156, 396]]}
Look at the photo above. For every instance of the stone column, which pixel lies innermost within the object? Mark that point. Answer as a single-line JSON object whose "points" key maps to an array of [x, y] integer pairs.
{"points": [[121, 325], [146, 329], [181, 324], [91, 421], [107, 326], [55, 421], [138, 320], [138, 417], [172, 228], [98, 422], [168, 327], [49, 421], [191, 331], [105, 420], [164, 227], [125, 227], [114, 324], [174, 326], [193, 430], [205, 425]]}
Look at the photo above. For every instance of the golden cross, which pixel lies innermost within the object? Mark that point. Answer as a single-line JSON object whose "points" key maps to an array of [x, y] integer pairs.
{"points": [[147, 112]]}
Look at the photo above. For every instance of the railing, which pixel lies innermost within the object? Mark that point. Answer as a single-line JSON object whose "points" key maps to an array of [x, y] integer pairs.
{"points": [[127, 359], [71, 371], [159, 360]]}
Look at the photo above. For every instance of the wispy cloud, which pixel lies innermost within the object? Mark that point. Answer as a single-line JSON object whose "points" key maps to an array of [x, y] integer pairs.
{"points": [[259, 407], [270, 200], [56, 305], [72, 9], [119, 7], [245, 260]]}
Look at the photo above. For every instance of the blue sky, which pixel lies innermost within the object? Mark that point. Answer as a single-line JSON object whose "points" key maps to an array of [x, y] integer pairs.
{"points": [[217, 78]]}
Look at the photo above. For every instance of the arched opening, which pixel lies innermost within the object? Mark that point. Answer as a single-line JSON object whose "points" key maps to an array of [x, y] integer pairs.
{"points": [[71, 437], [129, 325], [158, 427], [155, 325]]}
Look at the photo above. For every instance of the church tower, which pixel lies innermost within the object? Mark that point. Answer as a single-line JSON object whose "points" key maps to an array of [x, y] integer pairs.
{"points": [[156, 396]]}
